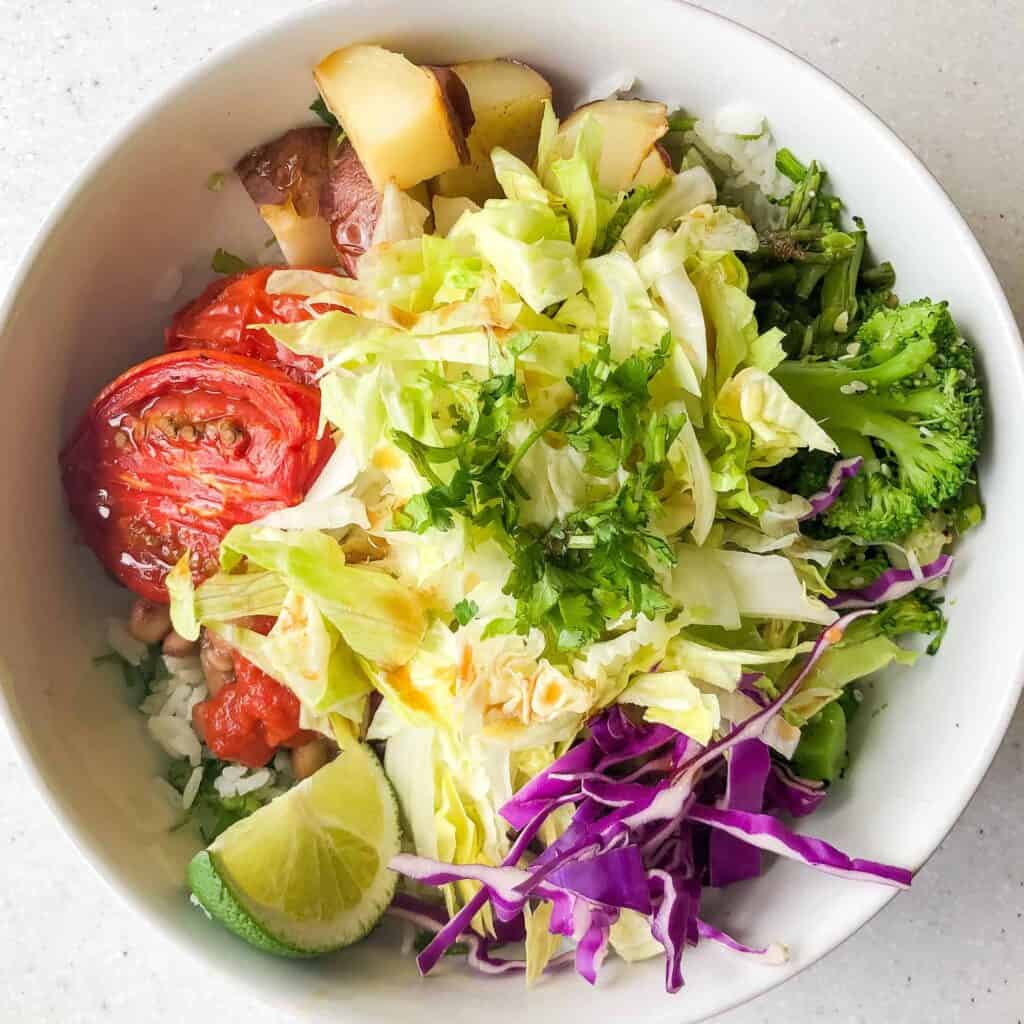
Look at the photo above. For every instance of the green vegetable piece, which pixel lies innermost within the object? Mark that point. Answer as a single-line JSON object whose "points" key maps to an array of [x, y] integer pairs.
{"points": [[320, 109], [466, 611], [788, 165], [821, 752], [224, 262], [908, 400]]}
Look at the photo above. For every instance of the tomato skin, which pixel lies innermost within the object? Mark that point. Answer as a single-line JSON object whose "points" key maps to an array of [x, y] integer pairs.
{"points": [[179, 449], [221, 316], [250, 718]]}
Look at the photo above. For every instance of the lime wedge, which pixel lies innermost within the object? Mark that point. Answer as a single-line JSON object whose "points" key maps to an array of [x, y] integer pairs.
{"points": [[308, 873]]}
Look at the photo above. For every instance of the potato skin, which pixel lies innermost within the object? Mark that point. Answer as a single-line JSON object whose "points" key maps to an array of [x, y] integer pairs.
{"points": [[350, 205], [292, 166], [460, 109]]}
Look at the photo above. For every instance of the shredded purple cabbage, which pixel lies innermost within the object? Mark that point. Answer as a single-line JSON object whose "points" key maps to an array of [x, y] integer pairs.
{"points": [[730, 859], [893, 583], [646, 837], [792, 795], [824, 500]]}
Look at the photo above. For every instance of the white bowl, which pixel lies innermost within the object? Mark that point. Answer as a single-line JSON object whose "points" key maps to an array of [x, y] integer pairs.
{"points": [[92, 297]]}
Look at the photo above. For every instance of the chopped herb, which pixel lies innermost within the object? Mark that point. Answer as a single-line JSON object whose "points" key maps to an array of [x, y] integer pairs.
{"points": [[466, 611], [594, 566], [224, 262], [138, 677], [627, 208], [215, 182], [479, 489], [787, 164], [320, 109]]}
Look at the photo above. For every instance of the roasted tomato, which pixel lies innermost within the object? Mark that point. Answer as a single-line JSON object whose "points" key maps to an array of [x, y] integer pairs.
{"points": [[250, 718], [222, 316], [178, 450]]}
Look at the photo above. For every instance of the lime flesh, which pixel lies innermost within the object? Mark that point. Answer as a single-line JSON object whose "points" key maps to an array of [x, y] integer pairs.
{"points": [[308, 873]]}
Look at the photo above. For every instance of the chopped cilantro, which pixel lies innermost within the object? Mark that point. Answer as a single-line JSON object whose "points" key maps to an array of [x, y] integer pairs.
{"points": [[466, 611], [595, 565], [137, 677], [210, 812], [320, 109], [224, 262]]}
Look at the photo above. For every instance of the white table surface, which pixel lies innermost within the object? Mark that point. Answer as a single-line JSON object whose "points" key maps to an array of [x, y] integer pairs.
{"points": [[947, 77]]}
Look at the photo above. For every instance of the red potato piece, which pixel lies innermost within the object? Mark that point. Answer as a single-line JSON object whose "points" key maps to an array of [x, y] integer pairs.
{"points": [[291, 167], [350, 205], [460, 109], [631, 128], [284, 178], [402, 120], [507, 98]]}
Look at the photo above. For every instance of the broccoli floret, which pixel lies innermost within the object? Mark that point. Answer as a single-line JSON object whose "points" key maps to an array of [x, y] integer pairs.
{"points": [[918, 612], [907, 399], [805, 473], [860, 569]]}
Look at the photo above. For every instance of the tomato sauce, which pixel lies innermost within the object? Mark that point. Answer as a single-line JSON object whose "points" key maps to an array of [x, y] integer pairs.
{"points": [[249, 719]]}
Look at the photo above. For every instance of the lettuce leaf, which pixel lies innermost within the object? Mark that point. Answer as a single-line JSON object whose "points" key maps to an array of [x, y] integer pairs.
{"points": [[672, 699], [306, 654], [527, 243], [779, 426], [380, 619]]}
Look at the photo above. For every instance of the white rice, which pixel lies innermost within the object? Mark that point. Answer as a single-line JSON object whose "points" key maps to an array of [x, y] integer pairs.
{"points": [[188, 795], [237, 780], [185, 670], [168, 708], [123, 643], [176, 736], [743, 161]]}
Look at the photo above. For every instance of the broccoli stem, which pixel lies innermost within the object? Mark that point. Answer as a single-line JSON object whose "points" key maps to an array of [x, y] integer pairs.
{"points": [[810, 380]]}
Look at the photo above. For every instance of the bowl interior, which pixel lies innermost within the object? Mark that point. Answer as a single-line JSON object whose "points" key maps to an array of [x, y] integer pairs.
{"points": [[132, 241]]}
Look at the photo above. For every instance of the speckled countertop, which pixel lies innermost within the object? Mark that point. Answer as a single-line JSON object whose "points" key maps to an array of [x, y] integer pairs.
{"points": [[947, 77]]}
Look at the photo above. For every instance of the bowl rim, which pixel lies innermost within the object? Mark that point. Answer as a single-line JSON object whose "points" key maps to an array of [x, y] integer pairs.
{"points": [[108, 151]]}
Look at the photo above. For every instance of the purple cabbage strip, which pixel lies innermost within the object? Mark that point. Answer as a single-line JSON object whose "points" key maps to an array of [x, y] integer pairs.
{"points": [[768, 833], [544, 787], [731, 860], [893, 583], [462, 920], [774, 953], [592, 945], [795, 796], [824, 500], [748, 687], [613, 879], [433, 919], [669, 923]]}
